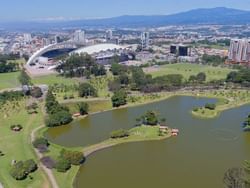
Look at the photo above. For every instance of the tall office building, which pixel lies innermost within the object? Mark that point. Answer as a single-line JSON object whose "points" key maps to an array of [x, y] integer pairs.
{"points": [[27, 37], [145, 40], [109, 35], [183, 50], [239, 51], [79, 37]]}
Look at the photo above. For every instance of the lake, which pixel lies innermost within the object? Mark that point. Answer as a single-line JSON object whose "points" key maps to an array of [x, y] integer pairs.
{"points": [[197, 158]]}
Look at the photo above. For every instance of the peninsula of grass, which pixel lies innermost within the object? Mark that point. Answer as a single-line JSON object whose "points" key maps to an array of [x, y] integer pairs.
{"points": [[226, 99], [137, 134]]}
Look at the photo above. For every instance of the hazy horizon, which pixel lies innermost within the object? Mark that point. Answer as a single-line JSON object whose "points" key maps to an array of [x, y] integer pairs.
{"points": [[15, 10]]}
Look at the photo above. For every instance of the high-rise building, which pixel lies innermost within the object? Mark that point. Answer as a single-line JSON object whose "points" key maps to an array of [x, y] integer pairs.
{"points": [[79, 37], [57, 39], [27, 37], [239, 51], [145, 40], [173, 49], [109, 35], [183, 50]]}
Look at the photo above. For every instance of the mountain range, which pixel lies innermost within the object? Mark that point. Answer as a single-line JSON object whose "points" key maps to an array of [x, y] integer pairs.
{"points": [[219, 15]]}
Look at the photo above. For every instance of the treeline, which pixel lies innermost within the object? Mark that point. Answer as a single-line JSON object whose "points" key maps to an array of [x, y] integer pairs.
{"points": [[10, 96], [214, 60], [82, 65], [6, 65], [240, 77], [57, 114]]}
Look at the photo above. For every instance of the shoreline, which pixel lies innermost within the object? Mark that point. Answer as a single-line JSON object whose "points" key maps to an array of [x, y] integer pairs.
{"points": [[92, 149]]}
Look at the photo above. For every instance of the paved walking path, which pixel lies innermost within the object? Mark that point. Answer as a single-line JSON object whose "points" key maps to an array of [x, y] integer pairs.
{"points": [[49, 173]]}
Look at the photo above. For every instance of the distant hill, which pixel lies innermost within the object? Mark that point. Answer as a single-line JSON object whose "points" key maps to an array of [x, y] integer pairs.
{"points": [[220, 15]]}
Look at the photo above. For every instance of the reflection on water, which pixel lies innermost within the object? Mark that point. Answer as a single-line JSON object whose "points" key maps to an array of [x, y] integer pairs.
{"points": [[197, 158]]}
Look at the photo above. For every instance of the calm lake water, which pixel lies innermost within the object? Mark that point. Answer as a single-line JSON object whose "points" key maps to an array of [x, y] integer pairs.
{"points": [[197, 158]]}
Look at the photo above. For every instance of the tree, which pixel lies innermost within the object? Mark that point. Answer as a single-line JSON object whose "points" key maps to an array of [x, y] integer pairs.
{"points": [[119, 98], [40, 141], [210, 106], [150, 118], [21, 169], [74, 157], [233, 178], [83, 108], [86, 89], [24, 78], [62, 165], [36, 92], [201, 77], [61, 117]]}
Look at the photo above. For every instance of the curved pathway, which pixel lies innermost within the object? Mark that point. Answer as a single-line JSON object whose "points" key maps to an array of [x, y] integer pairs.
{"points": [[39, 155]]}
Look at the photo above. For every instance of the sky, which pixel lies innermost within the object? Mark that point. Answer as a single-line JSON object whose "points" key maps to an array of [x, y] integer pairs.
{"points": [[16, 10]]}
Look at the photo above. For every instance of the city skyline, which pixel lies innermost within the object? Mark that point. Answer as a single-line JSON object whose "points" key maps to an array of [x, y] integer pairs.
{"points": [[76, 9]]}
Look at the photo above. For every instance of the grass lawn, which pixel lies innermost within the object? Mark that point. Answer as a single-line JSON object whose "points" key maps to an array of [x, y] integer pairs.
{"points": [[185, 69], [94, 106], [9, 80], [17, 146], [54, 79]]}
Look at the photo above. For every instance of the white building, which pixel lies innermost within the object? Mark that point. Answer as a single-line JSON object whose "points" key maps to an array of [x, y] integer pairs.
{"points": [[27, 37], [79, 37], [109, 35], [145, 40], [239, 51]]}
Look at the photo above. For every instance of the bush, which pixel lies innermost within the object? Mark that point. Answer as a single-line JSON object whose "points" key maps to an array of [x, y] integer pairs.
{"points": [[119, 134], [210, 106], [59, 118], [30, 166], [48, 162], [21, 169], [83, 108], [62, 165], [40, 141], [74, 157], [119, 98], [36, 92], [86, 89]]}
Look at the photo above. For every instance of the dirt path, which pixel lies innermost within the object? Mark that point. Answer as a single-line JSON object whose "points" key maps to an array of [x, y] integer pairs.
{"points": [[39, 155]]}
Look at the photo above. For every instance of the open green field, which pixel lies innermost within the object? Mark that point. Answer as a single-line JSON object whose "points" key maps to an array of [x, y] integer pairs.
{"points": [[94, 106], [17, 146], [9, 80], [186, 69], [54, 79]]}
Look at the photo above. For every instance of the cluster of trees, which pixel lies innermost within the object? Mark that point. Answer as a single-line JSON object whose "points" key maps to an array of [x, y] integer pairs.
{"points": [[210, 106], [82, 65], [238, 177], [57, 114], [246, 125], [41, 144], [214, 60], [136, 79], [240, 77], [68, 158], [87, 90], [199, 78], [149, 118], [10, 96], [6, 65], [121, 133], [22, 169], [119, 98], [83, 108]]}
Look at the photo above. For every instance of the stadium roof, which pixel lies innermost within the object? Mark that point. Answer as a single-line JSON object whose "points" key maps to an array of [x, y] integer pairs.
{"points": [[98, 48]]}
